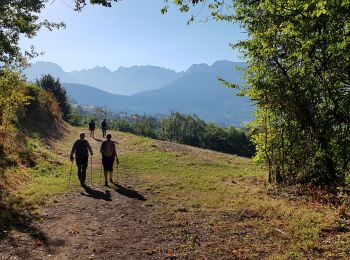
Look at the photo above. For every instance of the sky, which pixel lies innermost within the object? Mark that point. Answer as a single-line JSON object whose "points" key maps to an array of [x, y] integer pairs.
{"points": [[132, 32]]}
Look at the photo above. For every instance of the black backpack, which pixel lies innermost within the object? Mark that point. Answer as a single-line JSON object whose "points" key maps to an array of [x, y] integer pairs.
{"points": [[81, 148]]}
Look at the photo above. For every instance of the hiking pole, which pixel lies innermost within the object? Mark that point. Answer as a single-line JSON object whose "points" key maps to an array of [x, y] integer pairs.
{"points": [[91, 172], [70, 173], [101, 171], [117, 172]]}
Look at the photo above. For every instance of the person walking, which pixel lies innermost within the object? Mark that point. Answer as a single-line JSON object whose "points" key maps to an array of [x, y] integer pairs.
{"points": [[81, 149], [109, 152], [104, 128], [92, 128]]}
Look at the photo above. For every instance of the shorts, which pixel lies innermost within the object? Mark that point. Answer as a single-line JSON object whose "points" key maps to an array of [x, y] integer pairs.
{"points": [[107, 163]]}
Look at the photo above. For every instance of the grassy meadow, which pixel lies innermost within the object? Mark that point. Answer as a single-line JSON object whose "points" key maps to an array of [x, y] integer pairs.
{"points": [[208, 202]]}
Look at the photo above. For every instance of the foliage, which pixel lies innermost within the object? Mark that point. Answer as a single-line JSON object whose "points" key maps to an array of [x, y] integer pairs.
{"points": [[43, 103], [80, 4], [48, 83], [19, 18], [12, 97], [298, 74], [190, 130]]}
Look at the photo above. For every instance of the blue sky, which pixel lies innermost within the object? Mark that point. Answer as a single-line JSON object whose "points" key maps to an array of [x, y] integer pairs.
{"points": [[132, 32]]}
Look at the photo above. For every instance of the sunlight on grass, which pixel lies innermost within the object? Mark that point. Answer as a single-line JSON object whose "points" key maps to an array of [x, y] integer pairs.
{"points": [[222, 194]]}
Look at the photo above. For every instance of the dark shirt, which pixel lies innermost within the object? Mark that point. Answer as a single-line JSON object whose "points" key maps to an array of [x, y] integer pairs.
{"points": [[81, 148]]}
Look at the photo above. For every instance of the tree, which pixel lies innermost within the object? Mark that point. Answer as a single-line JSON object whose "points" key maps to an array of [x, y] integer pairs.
{"points": [[19, 18], [298, 73], [48, 83]]}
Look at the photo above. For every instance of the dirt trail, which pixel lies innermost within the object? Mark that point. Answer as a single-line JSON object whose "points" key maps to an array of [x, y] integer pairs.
{"points": [[98, 223]]}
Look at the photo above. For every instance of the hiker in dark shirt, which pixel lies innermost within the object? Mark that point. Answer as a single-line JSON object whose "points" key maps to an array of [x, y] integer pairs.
{"points": [[92, 128], [109, 152], [81, 148], [104, 128]]}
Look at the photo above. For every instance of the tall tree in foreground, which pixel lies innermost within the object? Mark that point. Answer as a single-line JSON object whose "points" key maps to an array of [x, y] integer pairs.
{"points": [[298, 54], [299, 74]]}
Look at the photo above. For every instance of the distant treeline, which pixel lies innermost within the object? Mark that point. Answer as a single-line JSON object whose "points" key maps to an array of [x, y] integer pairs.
{"points": [[183, 129]]}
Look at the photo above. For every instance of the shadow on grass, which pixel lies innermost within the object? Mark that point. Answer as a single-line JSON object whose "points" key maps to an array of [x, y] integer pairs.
{"points": [[128, 192], [96, 194]]}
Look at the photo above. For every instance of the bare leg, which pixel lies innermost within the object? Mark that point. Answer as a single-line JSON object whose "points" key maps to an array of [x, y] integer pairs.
{"points": [[111, 176], [106, 175]]}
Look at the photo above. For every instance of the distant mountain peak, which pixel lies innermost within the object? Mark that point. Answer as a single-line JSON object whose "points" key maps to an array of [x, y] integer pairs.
{"points": [[126, 80]]}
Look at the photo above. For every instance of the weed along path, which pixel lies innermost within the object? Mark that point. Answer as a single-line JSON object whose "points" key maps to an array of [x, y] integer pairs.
{"points": [[171, 201]]}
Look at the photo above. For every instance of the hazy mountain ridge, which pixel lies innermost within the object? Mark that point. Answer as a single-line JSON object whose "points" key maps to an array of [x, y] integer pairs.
{"points": [[197, 91], [124, 80]]}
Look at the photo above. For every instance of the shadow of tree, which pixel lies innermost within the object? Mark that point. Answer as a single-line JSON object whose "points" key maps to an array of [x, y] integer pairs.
{"points": [[13, 217], [96, 194], [128, 192]]}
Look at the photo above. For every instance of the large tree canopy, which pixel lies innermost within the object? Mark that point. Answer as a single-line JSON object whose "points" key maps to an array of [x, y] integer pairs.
{"points": [[298, 54]]}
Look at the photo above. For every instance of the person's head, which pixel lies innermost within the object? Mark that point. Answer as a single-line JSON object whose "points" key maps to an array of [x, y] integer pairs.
{"points": [[92, 121], [109, 137], [104, 120], [82, 135]]}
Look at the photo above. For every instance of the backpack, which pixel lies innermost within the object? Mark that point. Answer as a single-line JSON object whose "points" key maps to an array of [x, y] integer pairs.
{"points": [[81, 148], [108, 148]]}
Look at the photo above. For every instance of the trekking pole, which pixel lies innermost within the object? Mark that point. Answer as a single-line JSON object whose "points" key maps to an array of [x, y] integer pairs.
{"points": [[117, 172], [101, 172], [70, 174], [91, 172]]}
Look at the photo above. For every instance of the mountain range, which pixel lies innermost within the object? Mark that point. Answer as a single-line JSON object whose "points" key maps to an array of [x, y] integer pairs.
{"points": [[124, 81], [157, 90]]}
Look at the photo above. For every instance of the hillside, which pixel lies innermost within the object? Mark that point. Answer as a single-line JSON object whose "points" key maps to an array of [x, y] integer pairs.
{"points": [[170, 201]]}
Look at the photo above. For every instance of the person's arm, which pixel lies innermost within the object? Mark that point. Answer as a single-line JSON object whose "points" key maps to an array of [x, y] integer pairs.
{"points": [[102, 147], [72, 151], [89, 147], [115, 153]]}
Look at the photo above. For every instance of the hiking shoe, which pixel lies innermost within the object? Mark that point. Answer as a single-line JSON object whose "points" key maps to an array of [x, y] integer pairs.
{"points": [[111, 181], [106, 184]]}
